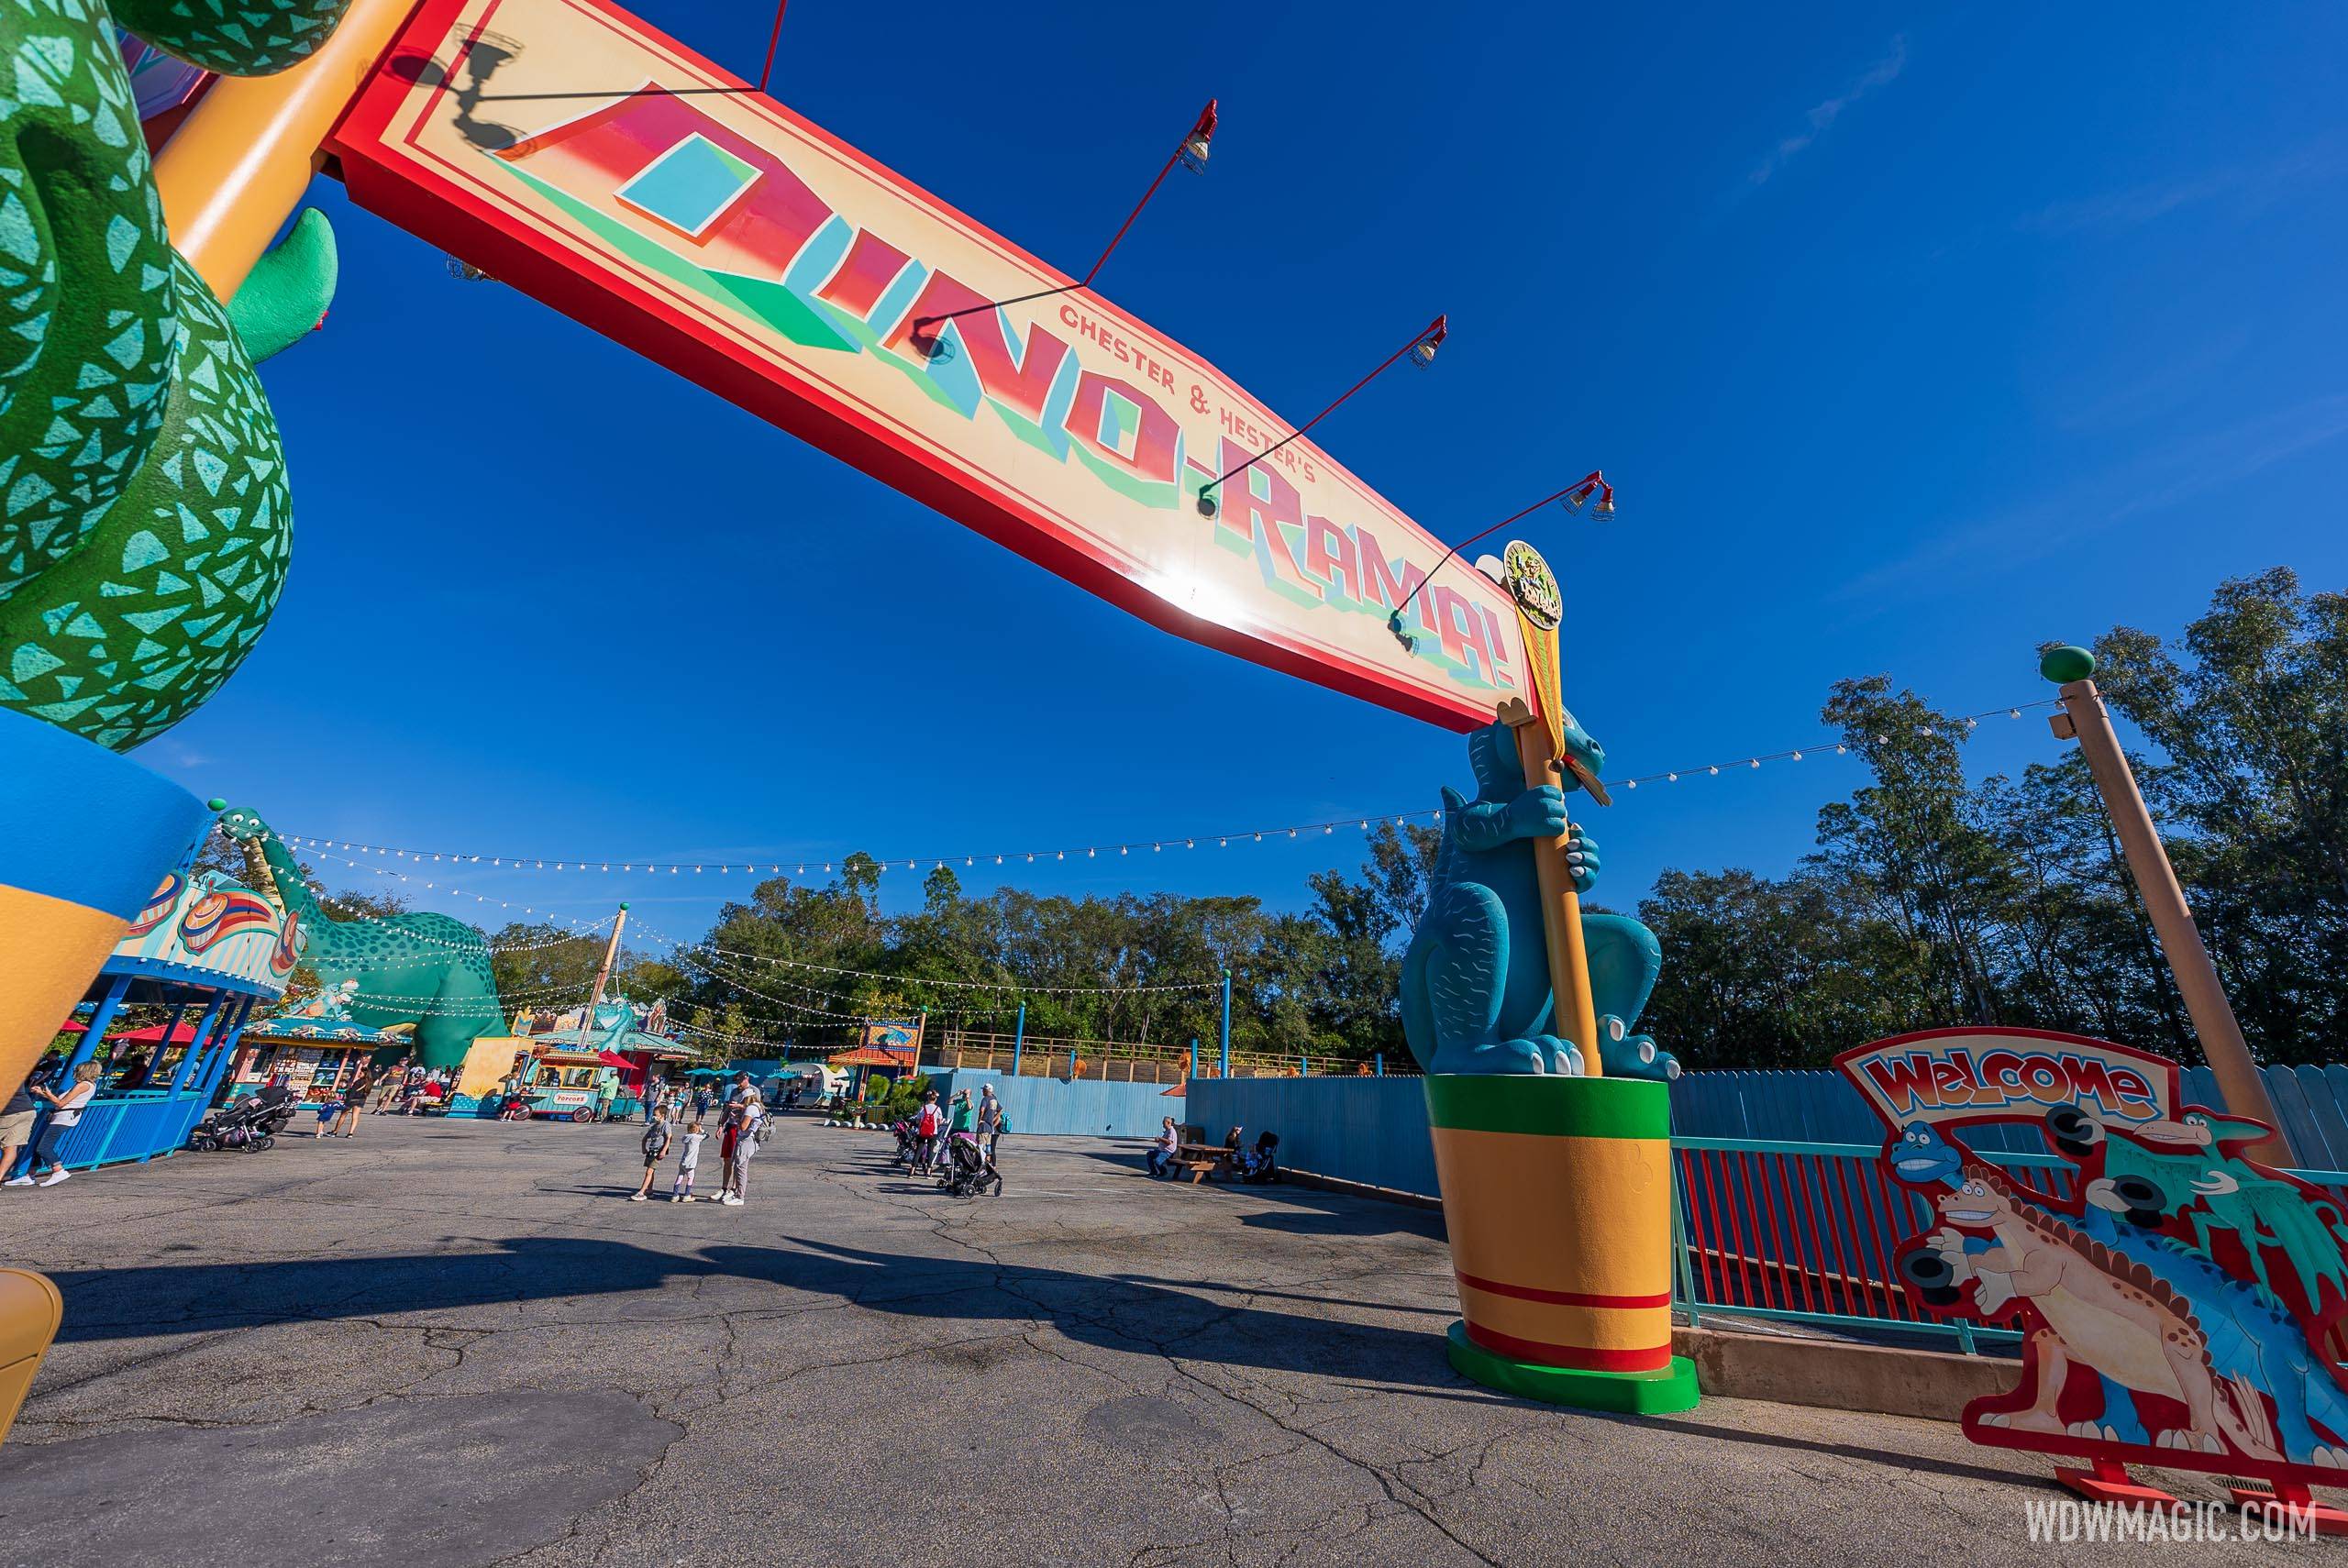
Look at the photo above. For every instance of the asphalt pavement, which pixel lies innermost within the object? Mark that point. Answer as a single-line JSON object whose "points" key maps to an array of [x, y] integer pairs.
{"points": [[451, 1344]]}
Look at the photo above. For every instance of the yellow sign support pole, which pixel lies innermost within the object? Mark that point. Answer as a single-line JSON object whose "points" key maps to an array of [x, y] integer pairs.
{"points": [[1576, 1016], [1539, 726], [236, 169]]}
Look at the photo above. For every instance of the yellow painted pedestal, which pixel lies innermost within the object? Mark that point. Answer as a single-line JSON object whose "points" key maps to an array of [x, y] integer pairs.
{"points": [[1557, 1195]]}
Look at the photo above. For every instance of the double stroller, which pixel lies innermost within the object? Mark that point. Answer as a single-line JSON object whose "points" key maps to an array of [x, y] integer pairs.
{"points": [[250, 1124]]}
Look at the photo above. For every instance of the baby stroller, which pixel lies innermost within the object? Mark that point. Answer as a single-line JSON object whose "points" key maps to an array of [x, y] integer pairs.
{"points": [[967, 1171], [1259, 1164], [908, 1142], [251, 1124]]}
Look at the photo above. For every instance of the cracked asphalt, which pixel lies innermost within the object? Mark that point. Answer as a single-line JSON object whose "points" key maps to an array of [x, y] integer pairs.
{"points": [[456, 1344]]}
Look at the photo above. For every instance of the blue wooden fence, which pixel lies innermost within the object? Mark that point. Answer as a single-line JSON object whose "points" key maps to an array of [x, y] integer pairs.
{"points": [[1823, 1107]]}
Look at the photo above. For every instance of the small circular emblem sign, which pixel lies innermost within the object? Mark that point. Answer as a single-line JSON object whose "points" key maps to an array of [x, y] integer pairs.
{"points": [[1533, 585]]}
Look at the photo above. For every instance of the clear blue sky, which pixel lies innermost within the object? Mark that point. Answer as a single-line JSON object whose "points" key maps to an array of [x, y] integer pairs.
{"points": [[1911, 339]]}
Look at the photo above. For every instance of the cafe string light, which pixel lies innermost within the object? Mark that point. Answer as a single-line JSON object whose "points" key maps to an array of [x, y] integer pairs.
{"points": [[1010, 986], [1361, 821]]}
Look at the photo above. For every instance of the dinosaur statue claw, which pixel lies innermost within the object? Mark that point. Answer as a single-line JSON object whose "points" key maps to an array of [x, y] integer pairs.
{"points": [[1630, 1056]]}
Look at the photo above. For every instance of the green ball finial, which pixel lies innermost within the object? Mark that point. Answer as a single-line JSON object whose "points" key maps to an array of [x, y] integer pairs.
{"points": [[623, 906], [216, 804], [2064, 664]]}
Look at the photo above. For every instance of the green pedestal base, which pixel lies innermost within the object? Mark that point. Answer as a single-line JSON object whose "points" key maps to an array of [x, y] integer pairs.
{"points": [[1657, 1393]]}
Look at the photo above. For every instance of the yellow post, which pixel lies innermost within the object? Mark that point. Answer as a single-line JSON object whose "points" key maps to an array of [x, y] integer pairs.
{"points": [[2084, 720], [1576, 1016], [236, 169]]}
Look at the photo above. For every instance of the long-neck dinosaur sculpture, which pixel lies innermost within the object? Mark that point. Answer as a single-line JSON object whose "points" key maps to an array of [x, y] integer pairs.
{"points": [[423, 968], [144, 522]]}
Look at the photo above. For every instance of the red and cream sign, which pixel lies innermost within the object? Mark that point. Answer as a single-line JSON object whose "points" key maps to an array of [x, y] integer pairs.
{"points": [[575, 153]]}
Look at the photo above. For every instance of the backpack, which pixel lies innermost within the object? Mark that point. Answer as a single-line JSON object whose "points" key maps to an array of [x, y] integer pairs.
{"points": [[766, 1125], [927, 1125], [1002, 1122]]}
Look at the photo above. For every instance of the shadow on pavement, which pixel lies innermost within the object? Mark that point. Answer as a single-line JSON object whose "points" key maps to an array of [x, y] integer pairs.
{"points": [[1115, 1311]]}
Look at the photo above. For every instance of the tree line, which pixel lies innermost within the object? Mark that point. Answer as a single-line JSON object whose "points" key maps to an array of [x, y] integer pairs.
{"points": [[1930, 898]]}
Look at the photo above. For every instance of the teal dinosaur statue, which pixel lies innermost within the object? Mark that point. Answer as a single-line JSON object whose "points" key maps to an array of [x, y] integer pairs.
{"points": [[1476, 995], [431, 970], [145, 521]]}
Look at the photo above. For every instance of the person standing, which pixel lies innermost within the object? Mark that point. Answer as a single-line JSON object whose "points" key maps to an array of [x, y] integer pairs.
{"points": [[64, 1115], [688, 1160], [990, 1122], [17, 1129], [656, 1144], [929, 1126], [354, 1100], [653, 1090], [729, 1133], [746, 1144]]}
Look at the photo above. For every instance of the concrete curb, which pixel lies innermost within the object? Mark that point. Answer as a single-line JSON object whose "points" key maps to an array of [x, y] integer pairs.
{"points": [[1360, 1189], [1837, 1376]]}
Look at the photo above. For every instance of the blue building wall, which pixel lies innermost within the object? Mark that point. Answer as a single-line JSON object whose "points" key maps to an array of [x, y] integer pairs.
{"points": [[1053, 1105]]}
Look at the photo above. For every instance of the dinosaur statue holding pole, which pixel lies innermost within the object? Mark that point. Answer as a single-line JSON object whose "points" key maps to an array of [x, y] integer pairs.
{"points": [[1551, 1121]]}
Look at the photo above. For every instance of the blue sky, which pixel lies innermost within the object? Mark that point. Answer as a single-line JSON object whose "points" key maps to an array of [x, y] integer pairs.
{"points": [[1910, 338]]}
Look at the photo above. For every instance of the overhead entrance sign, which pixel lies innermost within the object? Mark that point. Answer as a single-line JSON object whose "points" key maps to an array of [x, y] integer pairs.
{"points": [[577, 154]]}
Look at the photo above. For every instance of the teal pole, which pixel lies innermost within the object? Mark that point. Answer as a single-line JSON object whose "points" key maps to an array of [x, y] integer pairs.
{"points": [[1227, 1023], [1380, 1059], [1194, 1055], [1019, 1040], [1304, 1067], [98, 1021], [197, 1046]]}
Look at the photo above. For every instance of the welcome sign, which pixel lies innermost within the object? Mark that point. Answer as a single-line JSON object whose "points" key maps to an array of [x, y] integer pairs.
{"points": [[1950, 1076], [573, 152]]}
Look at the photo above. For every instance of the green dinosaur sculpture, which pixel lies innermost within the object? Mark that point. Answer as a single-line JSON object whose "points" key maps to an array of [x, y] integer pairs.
{"points": [[431, 970], [145, 521]]}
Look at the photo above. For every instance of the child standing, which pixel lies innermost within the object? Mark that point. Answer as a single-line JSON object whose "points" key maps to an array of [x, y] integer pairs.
{"points": [[681, 1189], [655, 1143]]}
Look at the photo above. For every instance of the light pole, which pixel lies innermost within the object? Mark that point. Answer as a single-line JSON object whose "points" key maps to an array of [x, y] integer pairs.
{"points": [[2085, 719]]}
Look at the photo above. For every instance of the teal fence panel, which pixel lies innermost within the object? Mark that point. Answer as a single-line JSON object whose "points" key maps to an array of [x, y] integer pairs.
{"points": [[140, 1125]]}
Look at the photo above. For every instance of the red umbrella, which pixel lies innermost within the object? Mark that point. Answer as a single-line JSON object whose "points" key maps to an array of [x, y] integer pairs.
{"points": [[73, 1026], [153, 1035]]}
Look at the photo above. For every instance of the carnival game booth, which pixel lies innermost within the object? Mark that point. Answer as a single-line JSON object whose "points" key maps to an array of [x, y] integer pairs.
{"points": [[210, 951], [628, 1041], [316, 1046]]}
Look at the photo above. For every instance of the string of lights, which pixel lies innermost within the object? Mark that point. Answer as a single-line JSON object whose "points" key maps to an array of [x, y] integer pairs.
{"points": [[580, 927], [1012, 986], [1361, 821]]}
